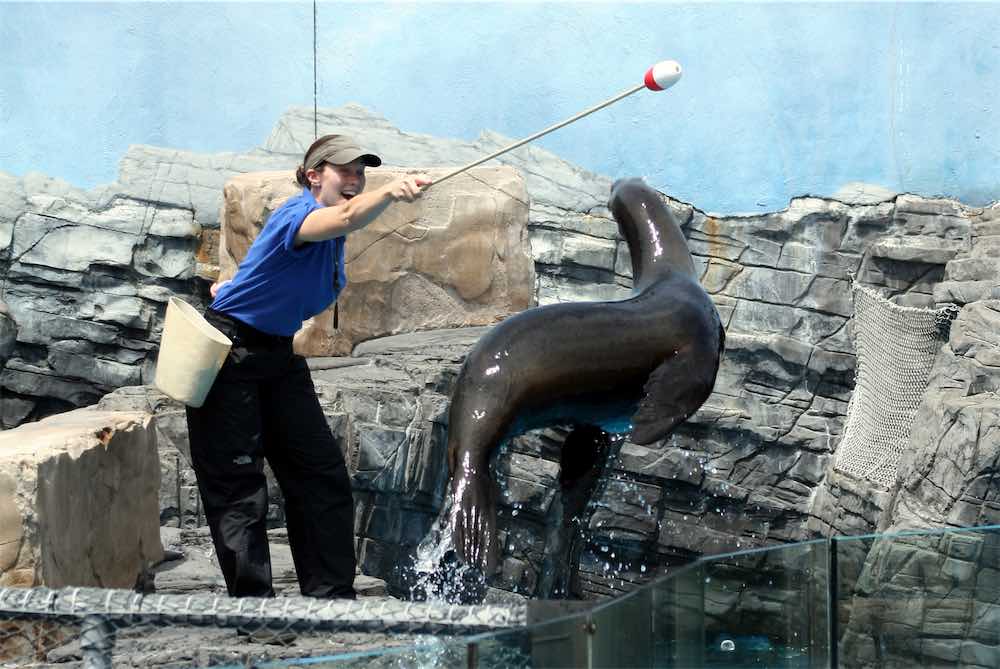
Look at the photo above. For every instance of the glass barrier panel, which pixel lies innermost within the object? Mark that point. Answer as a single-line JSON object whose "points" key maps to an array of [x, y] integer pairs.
{"points": [[429, 653], [621, 632], [563, 638], [511, 649], [677, 625], [563, 642], [758, 608]]}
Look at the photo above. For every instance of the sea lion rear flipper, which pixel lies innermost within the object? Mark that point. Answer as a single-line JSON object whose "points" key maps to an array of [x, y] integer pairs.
{"points": [[674, 391]]}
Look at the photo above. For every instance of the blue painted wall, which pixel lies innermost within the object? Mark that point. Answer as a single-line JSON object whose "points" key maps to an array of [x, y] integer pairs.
{"points": [[777, 99]]}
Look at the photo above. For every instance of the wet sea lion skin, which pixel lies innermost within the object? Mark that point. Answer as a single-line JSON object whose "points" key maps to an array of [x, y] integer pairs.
{"points": [[645, 363]]}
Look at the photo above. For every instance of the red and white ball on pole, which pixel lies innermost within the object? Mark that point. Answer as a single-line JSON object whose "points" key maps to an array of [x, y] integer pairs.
{"points": [[663, 75], [660, 77]]}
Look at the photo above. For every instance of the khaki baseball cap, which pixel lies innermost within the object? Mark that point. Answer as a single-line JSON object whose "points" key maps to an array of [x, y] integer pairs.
{"points": [[340, 150]]}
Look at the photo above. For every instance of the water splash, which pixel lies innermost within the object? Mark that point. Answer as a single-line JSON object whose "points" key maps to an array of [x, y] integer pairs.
{"points": [[438, 576], [438, 541]]}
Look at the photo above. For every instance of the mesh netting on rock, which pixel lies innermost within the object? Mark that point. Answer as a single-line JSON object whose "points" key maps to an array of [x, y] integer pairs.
{"points": [[896, 347]]}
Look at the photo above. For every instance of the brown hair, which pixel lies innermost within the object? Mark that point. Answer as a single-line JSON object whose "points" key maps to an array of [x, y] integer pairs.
{"points": [[300, 172]]}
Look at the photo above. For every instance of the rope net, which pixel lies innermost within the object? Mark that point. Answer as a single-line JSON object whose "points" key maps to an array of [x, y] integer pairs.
{"points": [[896, 347]]}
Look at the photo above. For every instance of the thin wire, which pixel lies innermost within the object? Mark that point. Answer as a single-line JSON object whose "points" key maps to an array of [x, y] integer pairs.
{"points": [[315, 70]]}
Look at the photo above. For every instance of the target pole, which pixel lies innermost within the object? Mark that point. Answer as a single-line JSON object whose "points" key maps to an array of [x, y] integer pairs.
{"points": [[661, 76]]}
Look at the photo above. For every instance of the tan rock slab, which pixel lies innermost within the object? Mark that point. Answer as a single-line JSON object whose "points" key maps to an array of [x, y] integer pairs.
{"points": [[10, 524], [457, 257], [78, 500]]}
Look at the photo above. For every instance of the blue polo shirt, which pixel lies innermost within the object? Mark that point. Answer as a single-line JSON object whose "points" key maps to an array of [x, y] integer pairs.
{"points": [[278, 286]]}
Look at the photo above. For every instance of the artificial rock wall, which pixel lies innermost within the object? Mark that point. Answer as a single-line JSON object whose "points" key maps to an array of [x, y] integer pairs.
{"points": [[78, 500], [86, 274], [752, 468], [85, 278]]}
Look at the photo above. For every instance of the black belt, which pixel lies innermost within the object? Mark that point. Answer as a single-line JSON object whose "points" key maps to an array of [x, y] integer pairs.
{"points": [[243, 334]]}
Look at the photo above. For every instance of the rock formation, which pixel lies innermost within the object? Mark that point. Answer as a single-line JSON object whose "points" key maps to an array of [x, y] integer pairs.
{"points": [[89, 316], [8, 333], [78, 501], [745, 471], [85, 277], [753, 468], [924, 600]]}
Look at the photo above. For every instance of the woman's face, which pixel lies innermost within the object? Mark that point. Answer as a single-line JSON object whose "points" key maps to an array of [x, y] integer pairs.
{"points": [[334, 184]]}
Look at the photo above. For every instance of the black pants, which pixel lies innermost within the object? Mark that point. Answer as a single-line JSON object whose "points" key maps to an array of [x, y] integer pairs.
{"points": [[263, 405]]}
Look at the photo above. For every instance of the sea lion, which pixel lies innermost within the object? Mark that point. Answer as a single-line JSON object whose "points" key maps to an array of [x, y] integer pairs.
{"points": [[641, 365]]}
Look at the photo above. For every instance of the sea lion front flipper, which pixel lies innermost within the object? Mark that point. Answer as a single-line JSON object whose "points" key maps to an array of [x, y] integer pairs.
{"points": [[672, 393], [474, 519]]}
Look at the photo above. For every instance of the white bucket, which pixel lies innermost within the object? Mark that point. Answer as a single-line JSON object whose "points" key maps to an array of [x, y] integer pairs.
{"points": [[191, 354]]}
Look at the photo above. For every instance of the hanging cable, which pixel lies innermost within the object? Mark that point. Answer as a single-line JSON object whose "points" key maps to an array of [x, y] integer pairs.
{"points": [[315, 70]]}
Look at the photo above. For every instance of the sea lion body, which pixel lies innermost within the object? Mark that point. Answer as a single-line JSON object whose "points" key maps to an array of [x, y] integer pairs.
{"points": [[586, 367], [640, 365]]}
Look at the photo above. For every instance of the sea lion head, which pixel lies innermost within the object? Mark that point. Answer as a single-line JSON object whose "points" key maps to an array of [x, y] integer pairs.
{"points": [[654, 237]]}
